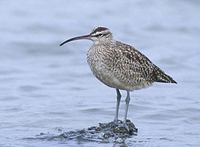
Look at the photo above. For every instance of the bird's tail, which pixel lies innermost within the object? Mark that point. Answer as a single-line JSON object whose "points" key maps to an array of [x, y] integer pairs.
{"points": [[160, 76]]}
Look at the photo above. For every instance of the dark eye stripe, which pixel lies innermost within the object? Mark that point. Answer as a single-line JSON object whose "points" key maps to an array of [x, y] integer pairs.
{"points": [[98, 35]]}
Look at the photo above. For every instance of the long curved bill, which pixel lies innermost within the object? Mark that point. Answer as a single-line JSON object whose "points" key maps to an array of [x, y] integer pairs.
{"points": [[76, 38]]}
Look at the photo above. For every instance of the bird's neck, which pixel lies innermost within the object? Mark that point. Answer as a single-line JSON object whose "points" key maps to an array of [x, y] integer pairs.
{"points": [[103, 41]]}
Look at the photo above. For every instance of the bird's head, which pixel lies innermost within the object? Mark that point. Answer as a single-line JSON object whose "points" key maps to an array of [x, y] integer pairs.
{"points": [[97, 35]]}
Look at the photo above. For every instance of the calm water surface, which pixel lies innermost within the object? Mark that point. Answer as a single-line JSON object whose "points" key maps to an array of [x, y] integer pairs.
{"points": [[47, 88]]}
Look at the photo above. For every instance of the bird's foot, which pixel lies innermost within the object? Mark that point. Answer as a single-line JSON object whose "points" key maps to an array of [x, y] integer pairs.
{"points": [[116, 121], [125, 125]]}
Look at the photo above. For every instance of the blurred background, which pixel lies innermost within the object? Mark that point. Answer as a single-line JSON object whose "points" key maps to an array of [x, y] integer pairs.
{"points": [[46, 88]]}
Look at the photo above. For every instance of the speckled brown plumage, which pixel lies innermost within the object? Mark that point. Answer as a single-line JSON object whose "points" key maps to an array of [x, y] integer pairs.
{"points": [[119, 65]]}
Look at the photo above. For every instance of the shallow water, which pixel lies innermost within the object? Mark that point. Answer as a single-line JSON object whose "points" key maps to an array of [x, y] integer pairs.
{"points": [[50, 89]]}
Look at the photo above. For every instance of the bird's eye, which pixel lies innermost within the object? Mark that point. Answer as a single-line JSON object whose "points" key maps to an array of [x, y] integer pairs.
{"points": [[98, 35]]}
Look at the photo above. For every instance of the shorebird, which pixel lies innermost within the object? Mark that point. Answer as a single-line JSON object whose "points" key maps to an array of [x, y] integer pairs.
{"points": [[120, 66]]}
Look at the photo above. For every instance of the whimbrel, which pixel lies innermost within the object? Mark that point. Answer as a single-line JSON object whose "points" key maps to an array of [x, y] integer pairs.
{"points": [[120, 66]]}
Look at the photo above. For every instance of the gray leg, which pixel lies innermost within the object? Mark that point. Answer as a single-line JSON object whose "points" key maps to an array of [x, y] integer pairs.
{"points": [[117, 106], [127, 104]]}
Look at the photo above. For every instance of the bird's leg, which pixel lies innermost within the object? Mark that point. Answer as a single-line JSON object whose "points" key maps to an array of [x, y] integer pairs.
{"points": [[117, 106], [126, 110]]}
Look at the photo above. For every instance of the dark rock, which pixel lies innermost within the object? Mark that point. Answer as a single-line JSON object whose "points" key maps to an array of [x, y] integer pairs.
{"points": [[104, 132]]}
